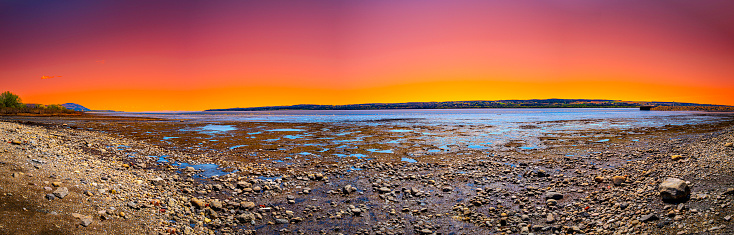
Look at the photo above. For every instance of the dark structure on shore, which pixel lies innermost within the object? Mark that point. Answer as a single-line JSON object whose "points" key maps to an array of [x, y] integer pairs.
{"points": [[646, 107]]}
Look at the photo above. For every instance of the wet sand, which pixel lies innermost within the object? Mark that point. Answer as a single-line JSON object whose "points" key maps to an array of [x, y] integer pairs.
{"points": [[326, 178]]}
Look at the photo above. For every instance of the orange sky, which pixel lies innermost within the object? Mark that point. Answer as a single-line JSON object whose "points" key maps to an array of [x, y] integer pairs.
{"points": [[201, 55]]}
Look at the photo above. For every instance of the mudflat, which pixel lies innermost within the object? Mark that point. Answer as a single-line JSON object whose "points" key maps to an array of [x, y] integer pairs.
{"points": [[124, 175]]}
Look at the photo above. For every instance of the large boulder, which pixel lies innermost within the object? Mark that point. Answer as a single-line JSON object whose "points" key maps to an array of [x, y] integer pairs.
{"points": [[674, 190]]}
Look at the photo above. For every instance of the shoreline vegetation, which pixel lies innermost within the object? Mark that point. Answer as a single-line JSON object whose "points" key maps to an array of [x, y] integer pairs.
{"points": [[535, 103], [11, 104]]}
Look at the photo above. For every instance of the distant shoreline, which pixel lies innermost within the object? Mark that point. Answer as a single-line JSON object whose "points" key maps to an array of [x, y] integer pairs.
{"points": [[546, 103]]}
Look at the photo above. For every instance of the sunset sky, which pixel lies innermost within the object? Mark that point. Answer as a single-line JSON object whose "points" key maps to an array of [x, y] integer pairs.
{"points": [[195, 55]]}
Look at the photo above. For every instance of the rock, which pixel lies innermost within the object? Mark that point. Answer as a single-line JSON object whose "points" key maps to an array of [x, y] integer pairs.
{"points": [[243, 184], [85, 221], [356, 211], [190, 169], [541, 173], [674, 189], [676, 157], [157, 181], [61, 192], [198, 203], [553, 195], [599, 179], [729, 145], [729, 191], [281, 221], [550, 219], [246, 217], [383, 190], [133, 205], [618, 180], [247, 205], [649, 217], [56, 184], [50, 196], [216, 204], [551, 202], [447, 188], [348, 189]]}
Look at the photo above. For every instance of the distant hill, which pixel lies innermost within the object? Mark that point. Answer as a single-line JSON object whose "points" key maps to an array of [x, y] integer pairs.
{"points": [[536, 103], [75, 107]]}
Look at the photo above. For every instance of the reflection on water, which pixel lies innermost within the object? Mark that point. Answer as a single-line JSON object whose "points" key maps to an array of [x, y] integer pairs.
{"points": [[423, 131], [409, 160]]}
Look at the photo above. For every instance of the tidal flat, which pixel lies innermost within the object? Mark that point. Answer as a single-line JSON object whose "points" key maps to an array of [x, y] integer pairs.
{"points": [[178, 175]]}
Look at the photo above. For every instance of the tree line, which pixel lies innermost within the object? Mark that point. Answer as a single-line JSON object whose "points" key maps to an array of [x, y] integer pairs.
{"points": [[12, 104]]}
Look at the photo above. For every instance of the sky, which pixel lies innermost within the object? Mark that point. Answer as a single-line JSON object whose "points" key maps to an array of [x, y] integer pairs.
{"points": [[166, 55]]}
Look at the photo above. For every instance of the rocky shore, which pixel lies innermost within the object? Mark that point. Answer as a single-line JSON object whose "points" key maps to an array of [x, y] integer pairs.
{"points": [[61, 180]]}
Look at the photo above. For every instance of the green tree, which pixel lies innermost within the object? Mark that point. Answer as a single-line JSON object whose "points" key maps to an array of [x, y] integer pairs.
{"points": [[8, 99]]}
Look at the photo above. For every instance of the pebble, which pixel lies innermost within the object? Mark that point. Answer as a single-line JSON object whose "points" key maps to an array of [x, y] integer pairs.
{"points": [[198, 203], [618, 180], [61, 192]]}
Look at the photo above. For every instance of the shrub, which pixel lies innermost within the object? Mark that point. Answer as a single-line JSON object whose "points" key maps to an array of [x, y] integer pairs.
{"points": [[10, 100]]}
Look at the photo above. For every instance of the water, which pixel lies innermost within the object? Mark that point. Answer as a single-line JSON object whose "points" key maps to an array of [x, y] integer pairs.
{"points": [[409, 160], [215, 129], [441, 116], [455, 129]]}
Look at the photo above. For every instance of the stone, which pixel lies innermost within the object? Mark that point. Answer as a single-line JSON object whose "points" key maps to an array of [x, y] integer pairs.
{"points": [[447, 188], [133, 205], [348, 189], [729, 145], [247, 205], [674, 189], [618, 180], [729, 191], [281, 221], [550, 219], [599, 179], [243, 184], [56, 184], [551, 202], [85, 221], [198, 203], [61, 192], [383, 190], [157, 181], [649, 217], [541, 173], [216, 204], [50, 196], [676, 157], [356, 211], [246, 217], [553, 195]]}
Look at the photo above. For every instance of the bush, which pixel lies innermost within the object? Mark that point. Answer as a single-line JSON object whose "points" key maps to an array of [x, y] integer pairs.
{"points": [[10, 100]]}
